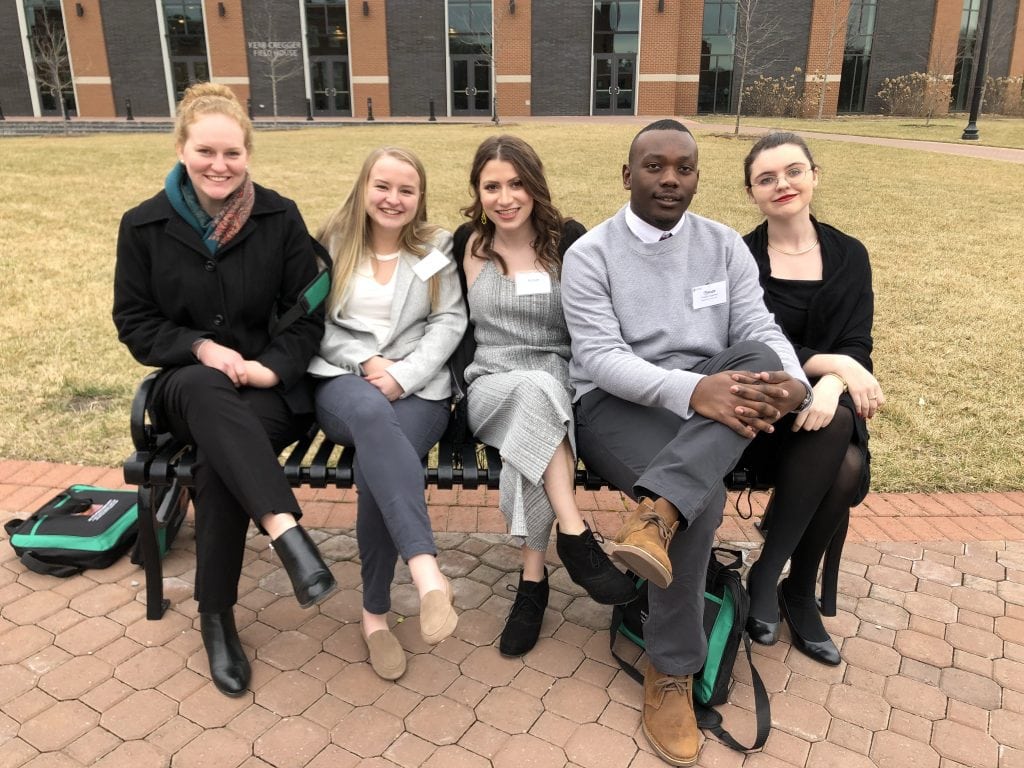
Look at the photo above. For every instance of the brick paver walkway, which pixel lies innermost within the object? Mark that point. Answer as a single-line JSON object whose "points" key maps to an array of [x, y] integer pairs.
{"points": [[931, 626]]}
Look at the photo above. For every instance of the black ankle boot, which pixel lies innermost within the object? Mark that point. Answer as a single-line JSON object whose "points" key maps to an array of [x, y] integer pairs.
{"points": [[311, 579], [589, 566], [229, 668], [522, 627]]}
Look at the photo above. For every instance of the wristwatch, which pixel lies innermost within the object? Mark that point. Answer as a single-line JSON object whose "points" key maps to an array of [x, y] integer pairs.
{"points": [[806, 401]]}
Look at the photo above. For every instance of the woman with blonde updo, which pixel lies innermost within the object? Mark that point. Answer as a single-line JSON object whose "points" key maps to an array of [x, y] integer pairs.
{"points": [[203, 270], [394, 317]]}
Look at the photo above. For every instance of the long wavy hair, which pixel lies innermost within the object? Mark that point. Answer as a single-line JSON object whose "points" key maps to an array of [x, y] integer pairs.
{"points": [[546, 220], [348, 232]]}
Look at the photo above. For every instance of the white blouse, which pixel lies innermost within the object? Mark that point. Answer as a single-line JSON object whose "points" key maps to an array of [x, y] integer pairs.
{"points": [[369, 302]]}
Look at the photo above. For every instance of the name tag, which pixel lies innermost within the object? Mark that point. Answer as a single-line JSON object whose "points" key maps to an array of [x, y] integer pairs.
{"points": [[530, 283], [709, 295], [430, 265]]}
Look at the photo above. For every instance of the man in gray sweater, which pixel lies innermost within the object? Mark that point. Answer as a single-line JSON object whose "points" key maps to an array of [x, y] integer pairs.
{"points": [[677, 365]]}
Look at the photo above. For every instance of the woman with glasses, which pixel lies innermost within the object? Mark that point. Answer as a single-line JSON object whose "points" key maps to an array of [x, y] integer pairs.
{"points": [[817, 282]]}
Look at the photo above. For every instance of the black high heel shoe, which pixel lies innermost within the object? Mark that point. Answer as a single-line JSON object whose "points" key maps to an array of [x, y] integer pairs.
{"points": [[311, 579], [824, 651], [761, 632], [229, 667]]}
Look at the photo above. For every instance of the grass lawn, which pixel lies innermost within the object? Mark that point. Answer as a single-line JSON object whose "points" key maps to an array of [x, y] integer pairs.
{"points": [[942, 232], [993, 130]]}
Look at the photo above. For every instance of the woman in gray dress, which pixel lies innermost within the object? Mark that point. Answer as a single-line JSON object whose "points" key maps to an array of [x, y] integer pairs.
{"points": [[519, 399]]}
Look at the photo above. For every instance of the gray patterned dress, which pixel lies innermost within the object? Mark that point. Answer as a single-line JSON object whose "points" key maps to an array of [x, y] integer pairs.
{"points": [[519, 398]]}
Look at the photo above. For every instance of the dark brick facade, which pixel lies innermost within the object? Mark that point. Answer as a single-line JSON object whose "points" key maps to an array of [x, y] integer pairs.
{"points": [[417, 45], [270, 22], [900, 45], [561, 56], [1004, 14], [777, 54], [132, 33], [15, 97]]}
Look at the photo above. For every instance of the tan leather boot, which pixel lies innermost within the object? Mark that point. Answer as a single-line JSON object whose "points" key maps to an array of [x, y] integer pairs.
{"points": [[668, 719], [642, 542]]}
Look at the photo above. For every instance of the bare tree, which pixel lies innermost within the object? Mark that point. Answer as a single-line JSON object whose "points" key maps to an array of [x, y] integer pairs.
{"points": [[278, 59], [836, 23], [50, 57], [755, 41]]}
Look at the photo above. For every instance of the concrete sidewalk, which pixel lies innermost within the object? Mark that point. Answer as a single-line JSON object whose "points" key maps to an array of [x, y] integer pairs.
{"points": [[931, 627]]}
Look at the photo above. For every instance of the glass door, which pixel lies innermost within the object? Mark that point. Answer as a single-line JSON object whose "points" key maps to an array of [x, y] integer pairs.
{"points": [[614, 83], [331, 95], [471, 84]]}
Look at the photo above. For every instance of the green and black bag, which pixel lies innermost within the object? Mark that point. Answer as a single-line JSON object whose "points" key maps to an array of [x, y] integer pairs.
{"points": [[82, 527], [725, 617]]}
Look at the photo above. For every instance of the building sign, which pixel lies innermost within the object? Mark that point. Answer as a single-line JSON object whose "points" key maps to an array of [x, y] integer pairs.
{"points": [[278, 49]]}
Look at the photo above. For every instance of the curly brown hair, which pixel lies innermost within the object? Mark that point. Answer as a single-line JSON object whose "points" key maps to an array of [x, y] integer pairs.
{"points": [[546, 219]]}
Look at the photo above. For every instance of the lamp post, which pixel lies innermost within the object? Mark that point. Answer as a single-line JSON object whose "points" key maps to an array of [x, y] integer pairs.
{"points": [[971, 131]]}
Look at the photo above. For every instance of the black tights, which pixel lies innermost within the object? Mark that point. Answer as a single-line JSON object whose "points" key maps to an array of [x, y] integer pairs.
{"points": [[816, 476]]}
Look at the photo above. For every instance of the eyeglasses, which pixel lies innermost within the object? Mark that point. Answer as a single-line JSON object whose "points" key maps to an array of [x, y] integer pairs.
{"points": [[792, 174]]}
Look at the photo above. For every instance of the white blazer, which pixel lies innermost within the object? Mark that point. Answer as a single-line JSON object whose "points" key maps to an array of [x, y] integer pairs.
{"points": [[422, 337]]}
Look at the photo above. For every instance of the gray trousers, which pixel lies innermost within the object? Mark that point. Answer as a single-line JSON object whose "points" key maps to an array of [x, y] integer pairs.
{"points": [[645, 451], [391, 440]]}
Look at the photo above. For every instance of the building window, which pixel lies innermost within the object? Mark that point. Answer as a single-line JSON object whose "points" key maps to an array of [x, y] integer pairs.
{"points": [[326, 27], [963, 69], [186, 44], [470, 54], [327, 38], [717, 48], [860, 30], [617, 26], [616, 43], [48, 43]]}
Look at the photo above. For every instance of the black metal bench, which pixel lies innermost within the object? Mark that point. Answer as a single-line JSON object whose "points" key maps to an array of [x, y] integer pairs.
{"points": [[161, 467]]}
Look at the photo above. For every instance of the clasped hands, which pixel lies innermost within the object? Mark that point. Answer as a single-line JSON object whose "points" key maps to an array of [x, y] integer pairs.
{"points": [[747, 402], [241, 372], [375, 371]]}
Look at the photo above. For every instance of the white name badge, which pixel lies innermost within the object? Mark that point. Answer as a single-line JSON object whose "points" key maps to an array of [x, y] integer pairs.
{"points": [[709, 295], [430, 265], [530, 283]]}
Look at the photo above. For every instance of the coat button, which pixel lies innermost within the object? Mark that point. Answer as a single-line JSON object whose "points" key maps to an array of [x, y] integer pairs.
{"points": [[218, 319], [211, 265]]}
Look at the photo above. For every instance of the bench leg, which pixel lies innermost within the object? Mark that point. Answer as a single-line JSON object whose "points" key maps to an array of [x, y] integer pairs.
{"points": [[830, 568], [765, 521], [150, 548]]}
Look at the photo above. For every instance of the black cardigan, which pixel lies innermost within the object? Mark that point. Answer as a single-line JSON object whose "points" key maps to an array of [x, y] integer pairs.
{"points": [[840, 314]]}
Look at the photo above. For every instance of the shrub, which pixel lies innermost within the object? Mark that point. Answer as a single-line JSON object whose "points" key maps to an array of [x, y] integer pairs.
{"points": [[918, 94], [1004, 96], [773, 97]]}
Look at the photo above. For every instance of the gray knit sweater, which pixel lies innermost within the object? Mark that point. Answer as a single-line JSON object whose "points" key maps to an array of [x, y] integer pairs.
{"points": [[630, 309]]}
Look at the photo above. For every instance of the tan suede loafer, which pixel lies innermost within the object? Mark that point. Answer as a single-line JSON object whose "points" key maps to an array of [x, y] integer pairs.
{"points": [[387, 657], [438, 618]]}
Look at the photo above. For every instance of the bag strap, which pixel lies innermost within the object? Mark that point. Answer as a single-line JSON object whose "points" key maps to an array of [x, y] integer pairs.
{"points": [[312, 295], [708, 718], [36, 565]]}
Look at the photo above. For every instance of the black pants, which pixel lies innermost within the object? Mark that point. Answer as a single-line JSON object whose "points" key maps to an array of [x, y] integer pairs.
{"points": [[238, 434]]}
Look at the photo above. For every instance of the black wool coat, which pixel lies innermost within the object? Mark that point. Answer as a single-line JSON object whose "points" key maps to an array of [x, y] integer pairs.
{"points": [[170, 291]]}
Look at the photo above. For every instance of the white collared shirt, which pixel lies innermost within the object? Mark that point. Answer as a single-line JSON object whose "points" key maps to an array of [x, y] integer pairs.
{"points": [[648, 233]]}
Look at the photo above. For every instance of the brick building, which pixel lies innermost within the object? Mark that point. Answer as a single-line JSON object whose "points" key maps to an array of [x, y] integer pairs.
{"points": [[527, 57]]}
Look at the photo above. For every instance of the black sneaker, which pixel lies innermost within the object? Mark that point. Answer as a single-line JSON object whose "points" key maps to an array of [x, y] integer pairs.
{"points": [[589, 566], [522, 627]]}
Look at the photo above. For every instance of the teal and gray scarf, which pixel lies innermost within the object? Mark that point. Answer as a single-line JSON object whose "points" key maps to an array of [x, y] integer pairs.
{"points": [[218, 230]]}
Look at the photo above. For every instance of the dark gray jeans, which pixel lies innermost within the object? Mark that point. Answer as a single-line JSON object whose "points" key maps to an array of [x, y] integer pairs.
{"points": [[646, 451], [391, 440]]}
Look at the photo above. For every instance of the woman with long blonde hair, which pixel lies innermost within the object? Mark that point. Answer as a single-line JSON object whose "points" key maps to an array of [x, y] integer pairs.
{"points": [[394, 317]]}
